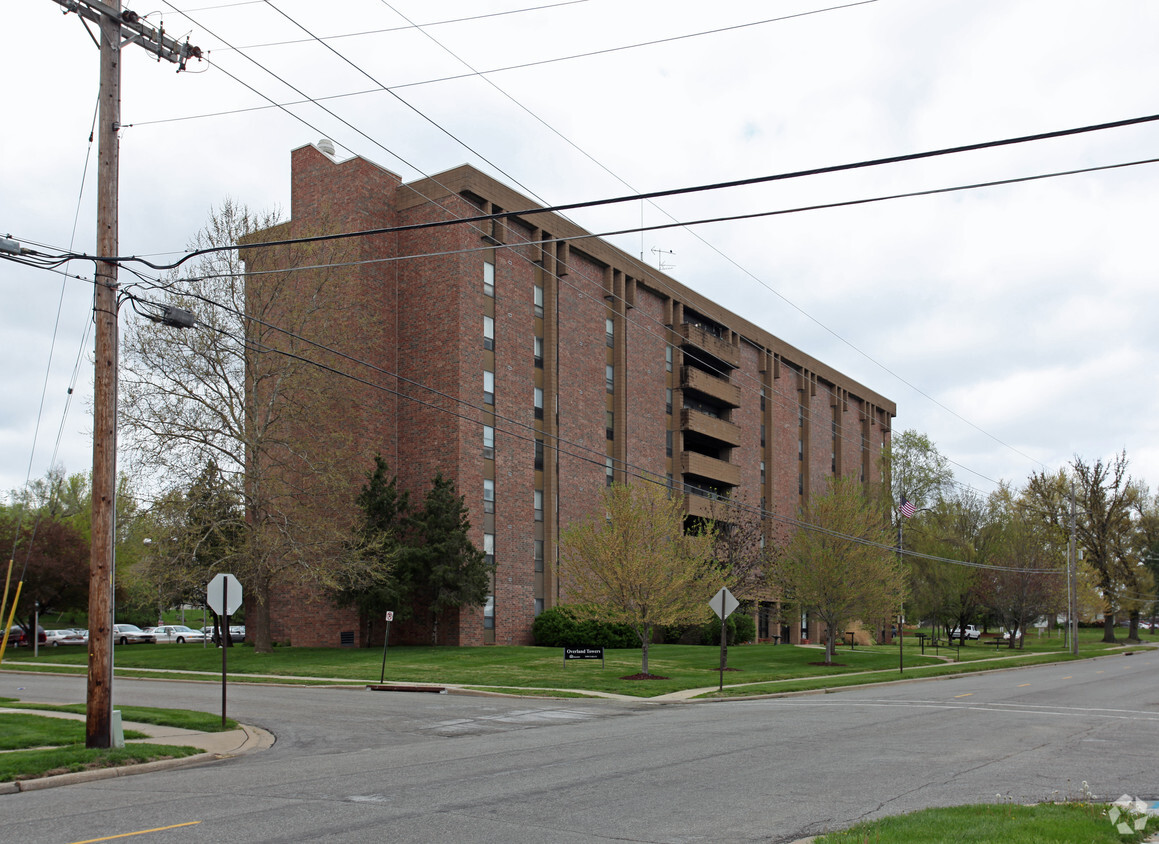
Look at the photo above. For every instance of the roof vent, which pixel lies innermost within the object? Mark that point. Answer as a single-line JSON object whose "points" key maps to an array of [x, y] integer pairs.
{"points": [[327, 146]]}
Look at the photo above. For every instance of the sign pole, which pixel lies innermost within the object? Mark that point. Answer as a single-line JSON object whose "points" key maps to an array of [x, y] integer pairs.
{"points": [[723, 615], [224, 649], [385, 641], [223, 602]]}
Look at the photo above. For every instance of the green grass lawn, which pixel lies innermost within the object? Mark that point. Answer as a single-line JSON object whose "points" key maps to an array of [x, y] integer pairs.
{"points": [[755, 669], [32, 764], [998, 823], [19, 730], [40, 745]]}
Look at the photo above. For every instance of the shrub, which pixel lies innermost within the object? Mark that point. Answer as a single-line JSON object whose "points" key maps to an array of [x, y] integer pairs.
{"points": [[738, 628], [560, 627]]}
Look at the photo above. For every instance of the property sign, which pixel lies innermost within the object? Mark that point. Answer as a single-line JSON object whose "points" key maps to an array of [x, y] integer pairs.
{"points": [[587, 652]]}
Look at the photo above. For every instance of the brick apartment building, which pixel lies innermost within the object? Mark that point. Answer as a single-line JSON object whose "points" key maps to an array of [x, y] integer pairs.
{"points": [[533, 364]]}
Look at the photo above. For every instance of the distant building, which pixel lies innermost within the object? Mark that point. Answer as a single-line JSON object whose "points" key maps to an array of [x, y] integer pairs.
{"points": [[534, 364]]}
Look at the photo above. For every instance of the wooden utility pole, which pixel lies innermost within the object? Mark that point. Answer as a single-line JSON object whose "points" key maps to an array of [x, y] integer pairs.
{"points": [[114, 25]]}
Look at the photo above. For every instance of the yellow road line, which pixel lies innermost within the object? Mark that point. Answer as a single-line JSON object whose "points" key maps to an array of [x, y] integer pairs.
{"points": [[141, 832], [1020, 685], [967, 694]]}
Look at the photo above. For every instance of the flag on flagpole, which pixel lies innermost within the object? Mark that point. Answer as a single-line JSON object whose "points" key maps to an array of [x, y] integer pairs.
{"points": [[907, 508]]}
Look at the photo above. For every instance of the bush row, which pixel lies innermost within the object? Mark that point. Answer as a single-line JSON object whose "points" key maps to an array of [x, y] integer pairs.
{"points": [[564, 626]]}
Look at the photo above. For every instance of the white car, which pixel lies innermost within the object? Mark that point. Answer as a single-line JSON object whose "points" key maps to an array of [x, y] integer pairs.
{"points": [[176, 633], [66, 636], [972, 632]]}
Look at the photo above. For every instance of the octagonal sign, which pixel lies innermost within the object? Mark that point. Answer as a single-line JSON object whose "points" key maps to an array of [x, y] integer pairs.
{"points": [[223, 594]]}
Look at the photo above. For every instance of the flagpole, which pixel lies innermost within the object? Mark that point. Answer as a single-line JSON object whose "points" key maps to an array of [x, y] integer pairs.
{"points": [[901, 615]]}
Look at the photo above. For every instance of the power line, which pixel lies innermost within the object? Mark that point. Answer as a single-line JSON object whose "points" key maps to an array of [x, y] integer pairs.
{"points": [[473, 73], [624, 231], [755, 180]]}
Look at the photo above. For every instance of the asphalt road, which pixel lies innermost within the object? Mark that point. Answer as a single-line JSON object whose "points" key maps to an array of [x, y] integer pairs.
{"points": [[356, 765]]}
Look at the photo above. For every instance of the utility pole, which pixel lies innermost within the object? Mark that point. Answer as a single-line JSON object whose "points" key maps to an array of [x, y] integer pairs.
{"points": [[114, 25], [1072, 580]]}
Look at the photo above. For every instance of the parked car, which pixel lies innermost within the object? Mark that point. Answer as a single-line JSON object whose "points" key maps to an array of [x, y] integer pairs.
{"points": [[66, 636], [177, 633], [236, 633], [18, 637], [972, 632], [131, 634]]}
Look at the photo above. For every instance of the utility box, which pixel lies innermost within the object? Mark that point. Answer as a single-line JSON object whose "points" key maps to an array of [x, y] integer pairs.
{"points": [[116, 731]]}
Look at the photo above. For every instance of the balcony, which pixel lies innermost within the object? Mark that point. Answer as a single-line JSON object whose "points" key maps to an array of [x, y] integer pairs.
{"points": [[702, 423], [694, 463], [692, 378], [698, 338]]}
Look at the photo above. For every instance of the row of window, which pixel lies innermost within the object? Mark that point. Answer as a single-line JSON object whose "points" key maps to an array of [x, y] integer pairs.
{"points": [[489, 499]]}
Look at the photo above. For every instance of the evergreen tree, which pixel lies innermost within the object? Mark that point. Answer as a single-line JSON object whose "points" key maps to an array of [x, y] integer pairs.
{"points": [[443, 566]]}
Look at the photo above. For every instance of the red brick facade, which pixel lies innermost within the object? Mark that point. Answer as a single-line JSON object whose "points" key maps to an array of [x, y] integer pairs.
{"points": [[419, 305]]}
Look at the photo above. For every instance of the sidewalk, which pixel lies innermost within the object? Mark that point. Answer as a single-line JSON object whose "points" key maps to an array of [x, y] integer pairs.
{"points": [[216, 746]]}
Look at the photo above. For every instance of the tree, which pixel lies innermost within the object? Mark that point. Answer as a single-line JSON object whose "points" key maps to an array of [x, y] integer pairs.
{"points": [[196, 533], [959, 527], [630, 562], [839, 564], [1030, 579], [738, 547], [242, 390], [1105, 497], [916, 469], [445, 569], [377, 546], [53, 558]]}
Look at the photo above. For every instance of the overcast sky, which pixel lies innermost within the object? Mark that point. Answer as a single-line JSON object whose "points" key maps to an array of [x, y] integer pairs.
{"points": [[1012, 324]]}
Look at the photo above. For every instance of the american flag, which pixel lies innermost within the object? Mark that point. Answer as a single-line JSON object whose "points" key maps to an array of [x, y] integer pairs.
{"points": [[907, 508]]}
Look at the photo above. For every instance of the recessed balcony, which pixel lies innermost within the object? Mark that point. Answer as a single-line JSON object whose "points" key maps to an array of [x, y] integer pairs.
{"points": [[692, 378], [709, 426], [705, 341], [701, 465]]}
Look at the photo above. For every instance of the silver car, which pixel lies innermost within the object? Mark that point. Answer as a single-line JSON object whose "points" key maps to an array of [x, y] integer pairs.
{"points": [[176, 633]]}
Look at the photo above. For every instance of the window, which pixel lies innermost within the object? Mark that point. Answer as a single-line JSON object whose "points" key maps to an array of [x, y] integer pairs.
{"points": [[800, 449], [488, 333], [539, 555], [489, 613], [610, 332], [610, 378], [539, 353], [538, 605], [539, 300], [488, 279], [668, 400], [539, 455], [609, 472], [488, 496], [489, 548], [539, 505], [489, 442], [668, 443], [762, 435], [488, 387], [668, 357], [762, 399], [610, 424], [538, 402], [762, 474]]}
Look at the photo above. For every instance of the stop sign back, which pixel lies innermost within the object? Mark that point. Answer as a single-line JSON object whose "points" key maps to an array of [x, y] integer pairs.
{"points": [[223, 594]]}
